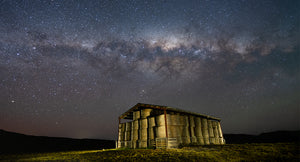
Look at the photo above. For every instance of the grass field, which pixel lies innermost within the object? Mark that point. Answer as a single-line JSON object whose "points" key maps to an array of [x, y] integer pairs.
{"points": [[230, 152]]}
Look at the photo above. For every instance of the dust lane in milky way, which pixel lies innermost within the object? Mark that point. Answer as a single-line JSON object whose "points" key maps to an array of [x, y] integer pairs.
{"points": [[70, 68]]}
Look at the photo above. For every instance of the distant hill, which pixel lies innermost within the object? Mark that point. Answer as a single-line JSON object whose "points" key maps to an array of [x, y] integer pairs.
{"points": [[19, 143], [270, 137]]}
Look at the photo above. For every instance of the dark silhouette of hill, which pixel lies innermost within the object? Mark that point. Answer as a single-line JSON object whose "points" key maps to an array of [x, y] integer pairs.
{"points": [[270, 137], [19, 143]]}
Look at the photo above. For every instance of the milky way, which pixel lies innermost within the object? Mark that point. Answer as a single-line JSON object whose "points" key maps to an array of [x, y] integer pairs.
{"points": [[70, 68]]}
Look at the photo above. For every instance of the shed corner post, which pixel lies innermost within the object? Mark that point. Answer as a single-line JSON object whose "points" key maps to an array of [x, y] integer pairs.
{"points": [[166, 126], [117, 143]]}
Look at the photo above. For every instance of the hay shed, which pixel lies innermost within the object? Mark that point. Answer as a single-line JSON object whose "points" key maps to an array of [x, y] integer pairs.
{"points": [[154, 126]]}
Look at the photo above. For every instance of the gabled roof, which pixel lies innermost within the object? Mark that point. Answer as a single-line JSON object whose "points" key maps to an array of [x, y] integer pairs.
{"points": [[129, 113]]}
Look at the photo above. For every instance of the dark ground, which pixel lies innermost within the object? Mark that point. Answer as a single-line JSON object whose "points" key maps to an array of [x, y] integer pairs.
{"points": [[230, 152]]}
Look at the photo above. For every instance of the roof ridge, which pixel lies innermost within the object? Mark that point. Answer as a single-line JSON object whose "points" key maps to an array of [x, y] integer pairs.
{"points": [[153, 106]]}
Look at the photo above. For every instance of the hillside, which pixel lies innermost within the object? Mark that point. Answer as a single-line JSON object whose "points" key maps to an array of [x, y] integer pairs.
{"points": [[20, 143], [270, 137]]}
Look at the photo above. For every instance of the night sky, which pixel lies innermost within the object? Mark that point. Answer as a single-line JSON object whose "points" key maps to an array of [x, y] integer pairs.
{"points": [[70, 68]]}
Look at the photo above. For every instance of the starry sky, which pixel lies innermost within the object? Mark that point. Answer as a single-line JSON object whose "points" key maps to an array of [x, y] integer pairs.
{"points": [[70, 68]]}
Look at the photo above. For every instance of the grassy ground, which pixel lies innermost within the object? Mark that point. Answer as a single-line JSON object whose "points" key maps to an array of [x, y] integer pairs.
{"points": [[230, 152]]}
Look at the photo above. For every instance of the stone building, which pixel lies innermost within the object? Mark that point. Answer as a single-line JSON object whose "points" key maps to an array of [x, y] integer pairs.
{"points": [[154, 126]]}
